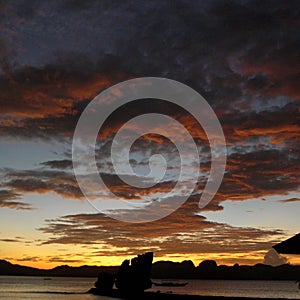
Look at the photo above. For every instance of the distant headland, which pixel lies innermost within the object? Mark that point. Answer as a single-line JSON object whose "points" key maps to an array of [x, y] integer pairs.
{"points": [[207, 269]]}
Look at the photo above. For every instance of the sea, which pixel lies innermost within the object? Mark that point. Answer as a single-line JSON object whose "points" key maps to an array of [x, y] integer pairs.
{"points": [[25, 287]]}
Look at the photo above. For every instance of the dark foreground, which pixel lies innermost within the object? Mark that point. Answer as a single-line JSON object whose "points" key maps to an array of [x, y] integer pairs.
{"points": [[169, 296]]}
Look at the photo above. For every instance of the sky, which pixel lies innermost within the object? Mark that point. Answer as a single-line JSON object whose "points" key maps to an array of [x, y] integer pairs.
{"points": [[243, 57]]}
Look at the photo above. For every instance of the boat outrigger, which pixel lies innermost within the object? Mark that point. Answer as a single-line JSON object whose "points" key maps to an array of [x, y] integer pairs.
{"points": [[171, 284]]}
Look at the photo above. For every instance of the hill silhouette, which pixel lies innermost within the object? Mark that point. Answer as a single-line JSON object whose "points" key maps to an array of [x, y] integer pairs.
{"points": [[167, 269], [6, 268]]}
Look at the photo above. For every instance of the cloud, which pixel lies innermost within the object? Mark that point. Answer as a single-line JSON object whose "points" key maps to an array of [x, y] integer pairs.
{"points": [[66, 260], [184, 231], [241, 56], [238, 71], [64, 183], [43, 181], [250, 173], [238, 64], [9, 199], [257, 173], [272, 258], [28, 259], [48, 92], [273, 123], [11, 240], [291, 200], [58, 164]]}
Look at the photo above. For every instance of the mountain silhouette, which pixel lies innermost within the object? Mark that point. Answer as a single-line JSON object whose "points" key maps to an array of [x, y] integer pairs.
{"points": [[6, 268], [167, 269]]}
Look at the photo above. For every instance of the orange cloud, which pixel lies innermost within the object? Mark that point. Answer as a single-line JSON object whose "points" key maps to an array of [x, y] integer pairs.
{"points": [[43, 93]]}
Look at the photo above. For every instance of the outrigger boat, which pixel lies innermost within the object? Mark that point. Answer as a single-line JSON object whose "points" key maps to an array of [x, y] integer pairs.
{"points": [[171, 284]]}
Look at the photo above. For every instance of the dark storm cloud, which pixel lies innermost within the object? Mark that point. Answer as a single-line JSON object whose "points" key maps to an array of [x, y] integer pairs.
{"points": [[242, 56], [218, 48], [45, 103], [198, 43]]}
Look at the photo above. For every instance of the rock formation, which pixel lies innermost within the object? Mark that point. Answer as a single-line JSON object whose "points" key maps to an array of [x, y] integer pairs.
{"points": [[132, 278], [135, 277]]}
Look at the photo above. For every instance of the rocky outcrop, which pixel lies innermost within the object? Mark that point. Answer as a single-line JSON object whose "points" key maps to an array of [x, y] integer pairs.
{"points": [[135, 276], [105, 282]]}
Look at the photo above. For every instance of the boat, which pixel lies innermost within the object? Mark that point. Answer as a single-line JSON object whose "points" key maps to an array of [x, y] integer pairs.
{"points": [[172, 284]]}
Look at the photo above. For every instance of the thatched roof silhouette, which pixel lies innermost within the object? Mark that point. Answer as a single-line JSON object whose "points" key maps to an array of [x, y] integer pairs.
{"points": [[289, 246]]}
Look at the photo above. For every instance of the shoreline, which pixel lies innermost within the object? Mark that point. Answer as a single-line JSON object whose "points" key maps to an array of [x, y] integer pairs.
{"points": [[158, 278], [170, 296]]}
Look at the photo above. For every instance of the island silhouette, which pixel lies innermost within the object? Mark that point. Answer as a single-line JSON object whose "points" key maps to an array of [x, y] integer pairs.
{"points": [[207, 269]]}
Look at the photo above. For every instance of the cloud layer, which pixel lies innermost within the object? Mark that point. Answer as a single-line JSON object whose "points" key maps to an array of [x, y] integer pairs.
{"points": [[242, 56]]}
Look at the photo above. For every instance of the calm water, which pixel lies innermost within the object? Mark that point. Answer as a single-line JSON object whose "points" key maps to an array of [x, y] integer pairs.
{"points": [[17, 288]]}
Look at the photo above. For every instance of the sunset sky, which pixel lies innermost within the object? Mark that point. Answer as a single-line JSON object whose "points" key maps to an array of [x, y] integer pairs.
{"points": [[243, 57]]}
